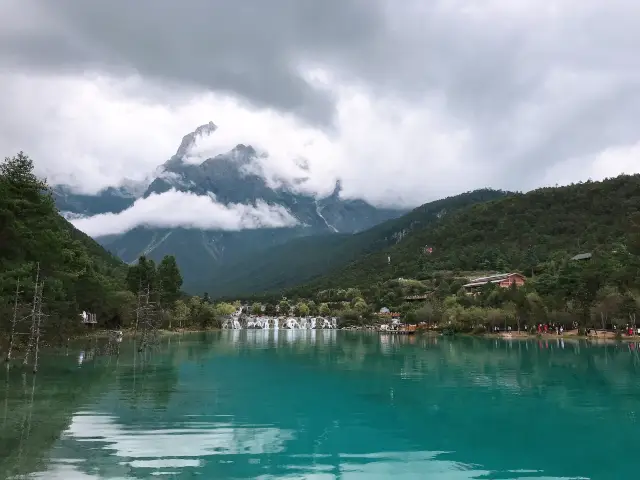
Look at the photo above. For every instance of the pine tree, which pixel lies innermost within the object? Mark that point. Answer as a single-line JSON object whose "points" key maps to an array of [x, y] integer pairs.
{"points": [[142, 275], [169, 280]]}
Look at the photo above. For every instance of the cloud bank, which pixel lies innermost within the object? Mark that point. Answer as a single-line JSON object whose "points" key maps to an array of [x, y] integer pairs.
{"points": [[405, 101], [182, 209]]}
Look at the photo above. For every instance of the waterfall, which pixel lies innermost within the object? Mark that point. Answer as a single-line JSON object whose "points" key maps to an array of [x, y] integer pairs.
{"points": [[291, 323]]}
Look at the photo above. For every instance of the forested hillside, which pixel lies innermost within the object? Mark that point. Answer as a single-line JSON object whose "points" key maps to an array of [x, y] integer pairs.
{"points": [[78, 273], [303, 259], [520, 232], [537, 234]]}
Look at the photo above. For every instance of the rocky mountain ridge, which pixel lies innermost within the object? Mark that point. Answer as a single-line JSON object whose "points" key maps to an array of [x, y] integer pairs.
{"points": [[233, 179]]}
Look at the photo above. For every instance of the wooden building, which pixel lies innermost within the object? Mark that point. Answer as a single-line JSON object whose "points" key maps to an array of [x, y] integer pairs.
{"points": [[504, 280]]}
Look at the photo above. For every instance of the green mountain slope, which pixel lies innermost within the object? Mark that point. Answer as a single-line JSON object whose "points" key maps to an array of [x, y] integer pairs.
{"points": [[303, 259], [78, 273], [519, 232]]}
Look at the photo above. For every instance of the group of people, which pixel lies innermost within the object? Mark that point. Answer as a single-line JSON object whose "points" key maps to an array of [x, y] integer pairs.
{"points": [[630, 330], [544, 328]]}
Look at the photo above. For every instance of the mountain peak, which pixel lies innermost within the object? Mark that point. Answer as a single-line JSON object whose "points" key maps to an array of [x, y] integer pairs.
{"points": [[189, 140], [231, 162], [337, 189], [243, 153]]}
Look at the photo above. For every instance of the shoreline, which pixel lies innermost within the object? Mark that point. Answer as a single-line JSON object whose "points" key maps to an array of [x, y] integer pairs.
{"points": [[600, 337], [603, 337]]}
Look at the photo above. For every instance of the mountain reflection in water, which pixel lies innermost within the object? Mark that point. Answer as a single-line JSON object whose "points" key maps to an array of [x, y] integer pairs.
{"points": [[322, 405]]}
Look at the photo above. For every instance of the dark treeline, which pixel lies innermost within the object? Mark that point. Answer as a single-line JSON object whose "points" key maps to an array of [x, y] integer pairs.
{"points": [[78, 274]]}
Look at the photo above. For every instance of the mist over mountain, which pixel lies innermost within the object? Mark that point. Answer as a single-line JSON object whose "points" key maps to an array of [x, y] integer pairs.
{"points": [[212, 212]]}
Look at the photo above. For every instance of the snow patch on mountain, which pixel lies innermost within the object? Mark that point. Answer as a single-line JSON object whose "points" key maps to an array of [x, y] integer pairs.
{"points": [[156, 242], [319, 212], [70, 216]]}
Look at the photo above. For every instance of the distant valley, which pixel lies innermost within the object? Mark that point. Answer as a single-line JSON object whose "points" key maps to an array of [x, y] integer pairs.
{"points": [[206, 257]]}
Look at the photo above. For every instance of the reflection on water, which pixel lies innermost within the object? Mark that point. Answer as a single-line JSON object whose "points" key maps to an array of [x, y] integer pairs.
{"points": [[324, 404], [167, 450]]}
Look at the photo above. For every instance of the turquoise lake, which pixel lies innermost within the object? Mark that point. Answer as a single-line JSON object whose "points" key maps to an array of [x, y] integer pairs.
{"points": [[324, 405]]}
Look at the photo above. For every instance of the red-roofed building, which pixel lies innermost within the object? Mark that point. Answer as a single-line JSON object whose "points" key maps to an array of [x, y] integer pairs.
{"points": [[504, 280]]}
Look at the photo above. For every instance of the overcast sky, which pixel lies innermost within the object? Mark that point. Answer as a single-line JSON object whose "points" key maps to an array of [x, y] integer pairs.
{"points": [[404, 100]]}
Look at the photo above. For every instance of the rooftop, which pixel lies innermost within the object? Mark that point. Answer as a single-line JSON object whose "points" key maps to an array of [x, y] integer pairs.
{"points": [[582, 256], [499, 277]]}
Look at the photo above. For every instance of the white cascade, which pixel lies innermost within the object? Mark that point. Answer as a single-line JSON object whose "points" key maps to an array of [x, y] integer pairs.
{"points": [[291, 323]]}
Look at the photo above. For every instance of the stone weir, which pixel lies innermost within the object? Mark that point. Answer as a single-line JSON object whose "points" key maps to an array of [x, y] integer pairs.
{"points": [[239, 322]]}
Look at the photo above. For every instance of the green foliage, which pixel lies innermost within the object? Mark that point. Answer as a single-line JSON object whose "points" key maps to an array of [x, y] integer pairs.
{"points": [[324, 309], [302, 309], [195, 313], [78, 273], [143, 275], [284, 307], [537, 234], [256, 309], [303, 259], [169, 280], [533, 233], [181, 312], [224, 308], [270, 309]]}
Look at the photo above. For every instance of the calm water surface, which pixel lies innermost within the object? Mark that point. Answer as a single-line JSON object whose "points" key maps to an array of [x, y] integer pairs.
{"points": [[324, 405]]}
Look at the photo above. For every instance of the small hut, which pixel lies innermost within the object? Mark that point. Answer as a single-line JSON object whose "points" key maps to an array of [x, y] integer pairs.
{"points": [[88, 319]]}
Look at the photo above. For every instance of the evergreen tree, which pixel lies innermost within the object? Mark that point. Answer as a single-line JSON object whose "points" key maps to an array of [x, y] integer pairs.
{"points": [[169, 280], [142, 275]]}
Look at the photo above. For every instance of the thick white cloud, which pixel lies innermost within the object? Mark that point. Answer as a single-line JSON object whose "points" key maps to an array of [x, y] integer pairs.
{"points": [[606, 164], [428, 98], [100, 130], [182, 209]]}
